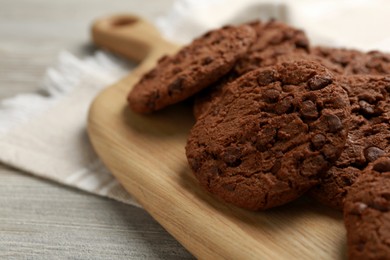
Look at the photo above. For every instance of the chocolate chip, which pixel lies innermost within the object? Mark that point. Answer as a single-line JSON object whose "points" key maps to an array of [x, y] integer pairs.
{"points": [[231, 156], [334, 123], [318, 141], [266, 77], [176, 70], [207, 34], [382, 165], [366, 108], [284, 106], [176, 86], [271, 95], [319, 82], [372, 153], [217, 41], [207, 61], [162, 59], [309, 110], [151, 74], [227, 27], [302, 42]]}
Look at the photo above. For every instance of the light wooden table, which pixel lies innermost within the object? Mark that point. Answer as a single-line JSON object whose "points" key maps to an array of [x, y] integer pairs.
{"points": [[40, 219]]}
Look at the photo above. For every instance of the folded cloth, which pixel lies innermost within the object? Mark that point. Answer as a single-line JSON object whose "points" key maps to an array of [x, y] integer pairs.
{"points": [[45, 133]]}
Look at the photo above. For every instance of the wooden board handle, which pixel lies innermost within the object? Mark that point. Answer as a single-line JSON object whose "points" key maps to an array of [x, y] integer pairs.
{"points": [[130, 36]]}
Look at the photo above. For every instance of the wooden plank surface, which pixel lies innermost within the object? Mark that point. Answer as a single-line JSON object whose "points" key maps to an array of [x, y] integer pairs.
{"points": [[42, 220]]}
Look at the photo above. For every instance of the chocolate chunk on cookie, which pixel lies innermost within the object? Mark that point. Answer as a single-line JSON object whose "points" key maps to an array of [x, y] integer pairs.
{"points": [[368, 138], [273, 40], [193, 68], [271, 134], [354, 61], [367, 213]]}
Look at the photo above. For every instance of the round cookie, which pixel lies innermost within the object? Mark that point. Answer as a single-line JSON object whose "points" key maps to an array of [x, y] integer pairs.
{"points": [[273, 40], [368, 137], [354, 61], [193, 68], [270, 136], [367, 213]]}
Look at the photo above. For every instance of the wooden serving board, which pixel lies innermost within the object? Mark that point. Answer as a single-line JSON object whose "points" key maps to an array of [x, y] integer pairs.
{"points": [[146, 154]]}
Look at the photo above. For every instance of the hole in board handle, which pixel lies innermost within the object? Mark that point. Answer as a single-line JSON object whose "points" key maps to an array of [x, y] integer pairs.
{"points": [[123, 21]]}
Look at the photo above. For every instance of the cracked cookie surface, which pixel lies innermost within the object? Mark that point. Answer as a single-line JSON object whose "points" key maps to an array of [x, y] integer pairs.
{"points": [[367, 213], [368, 137], [270, 135], [194, 67]]}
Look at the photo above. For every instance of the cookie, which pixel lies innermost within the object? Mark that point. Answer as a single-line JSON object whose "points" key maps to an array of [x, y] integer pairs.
{"points": [[354, 61], [367, 213], [273, 40], [194, 67], [270, 136], [368, 138]]}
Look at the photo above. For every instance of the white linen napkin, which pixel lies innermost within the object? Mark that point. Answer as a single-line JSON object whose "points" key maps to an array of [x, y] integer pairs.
{"points": [[45, 133]]}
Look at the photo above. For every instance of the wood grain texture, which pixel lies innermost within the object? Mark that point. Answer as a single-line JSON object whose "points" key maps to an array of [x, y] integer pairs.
{"points": [[146, 154], [42, 220]]}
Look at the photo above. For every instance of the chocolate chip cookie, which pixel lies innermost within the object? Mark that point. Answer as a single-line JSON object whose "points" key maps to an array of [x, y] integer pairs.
{"points": [[367, 213], [194, 67], [368, 138], [354, 61], [271, 135]]}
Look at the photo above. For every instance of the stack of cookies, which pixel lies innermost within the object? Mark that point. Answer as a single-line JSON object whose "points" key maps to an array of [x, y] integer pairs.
{"points": [[277, 118]]}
